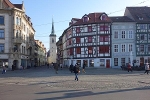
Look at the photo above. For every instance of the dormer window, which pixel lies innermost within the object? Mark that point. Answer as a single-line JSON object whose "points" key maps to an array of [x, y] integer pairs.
{"points": [[139, 17], [85, 18], [103, 17]]}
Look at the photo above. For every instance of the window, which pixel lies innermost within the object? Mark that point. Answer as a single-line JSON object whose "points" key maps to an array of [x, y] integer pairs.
{"points": [[24, 28], [148, 26], [17, 34], [101, 39], [1, 20], [123, 61], [89, 28], [104, 28], [106, 49], [106, 38], [77, 29], [69, 41], [85, 19], [90, 39], [142, 48], [130, 47], [115, 48], [78, 40], [142, 37], [115, 61], [130, 35], [78, 50], [71, 51], [103, 17], [17, 20], [116, 34], [90, 49], [101, 49], [1, 48], [123, 46], [148, 48], [123, 35], [1, 33]]}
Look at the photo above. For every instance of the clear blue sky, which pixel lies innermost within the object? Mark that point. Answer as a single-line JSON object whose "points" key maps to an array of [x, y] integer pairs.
{"points": [[62, 11]]}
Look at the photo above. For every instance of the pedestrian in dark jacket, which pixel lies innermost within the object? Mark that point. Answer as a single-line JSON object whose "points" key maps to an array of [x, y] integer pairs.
{"points": [[55, 67], [76, 71], [71, 68], [83, 68]]}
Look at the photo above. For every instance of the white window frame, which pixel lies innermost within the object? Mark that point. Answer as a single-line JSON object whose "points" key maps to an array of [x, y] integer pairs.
{"points": [[115, 61], [130, 47], [123, 60], [123, 47], [130, 34], [116, 49], [123, 34], [116, 36]]}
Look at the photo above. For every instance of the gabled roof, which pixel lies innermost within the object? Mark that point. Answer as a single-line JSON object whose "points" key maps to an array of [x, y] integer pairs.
{"points": [[93, 18], [121, 19], [9, 3], [140, 14]]}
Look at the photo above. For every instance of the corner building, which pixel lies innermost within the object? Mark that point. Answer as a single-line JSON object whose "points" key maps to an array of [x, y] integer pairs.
{"points": [[88, 40]]}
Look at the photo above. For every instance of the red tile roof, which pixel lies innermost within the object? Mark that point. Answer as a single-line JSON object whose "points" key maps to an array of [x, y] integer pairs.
{"points": [[9, 3], [93, 18]]}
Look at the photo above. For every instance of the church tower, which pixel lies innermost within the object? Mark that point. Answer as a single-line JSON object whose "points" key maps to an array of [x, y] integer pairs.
{"points": [[52, 47]]}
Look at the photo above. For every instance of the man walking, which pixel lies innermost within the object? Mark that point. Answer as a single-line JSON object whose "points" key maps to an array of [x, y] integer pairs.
{"points": [[76, 71], [83, 68]]}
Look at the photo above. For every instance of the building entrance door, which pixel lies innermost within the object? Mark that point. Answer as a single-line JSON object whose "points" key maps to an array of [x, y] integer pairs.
{"points": [[142, 61], [108, 63]]}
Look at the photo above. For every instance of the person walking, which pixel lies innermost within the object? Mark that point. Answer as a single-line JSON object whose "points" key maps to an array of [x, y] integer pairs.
{"points": [[71, 68], [76, 71], [4, 70], [146, 69], [129, 67], [83, 68], [55, 67]]}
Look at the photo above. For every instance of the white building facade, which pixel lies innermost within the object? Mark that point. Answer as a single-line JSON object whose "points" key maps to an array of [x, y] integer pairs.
{"points": [[123, 41], [16, 29]]}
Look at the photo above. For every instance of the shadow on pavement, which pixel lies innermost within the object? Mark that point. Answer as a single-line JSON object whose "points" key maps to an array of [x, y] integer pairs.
{"points": [[76, 93]]}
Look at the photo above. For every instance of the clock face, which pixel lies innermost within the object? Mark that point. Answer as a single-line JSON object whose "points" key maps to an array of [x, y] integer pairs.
{"points": [[52, 40]]}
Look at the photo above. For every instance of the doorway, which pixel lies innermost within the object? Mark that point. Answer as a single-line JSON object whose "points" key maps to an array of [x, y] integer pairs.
{"points": [[107, 63]]}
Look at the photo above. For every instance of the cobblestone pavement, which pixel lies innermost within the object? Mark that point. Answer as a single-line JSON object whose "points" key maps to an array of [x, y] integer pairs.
{"points": [[94, 78]]}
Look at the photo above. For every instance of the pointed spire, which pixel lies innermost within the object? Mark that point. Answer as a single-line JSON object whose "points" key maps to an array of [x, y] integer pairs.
{"points": [[52, 31]]}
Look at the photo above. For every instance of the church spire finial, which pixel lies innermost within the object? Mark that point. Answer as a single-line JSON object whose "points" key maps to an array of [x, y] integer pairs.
{"points": [[52, 31]]}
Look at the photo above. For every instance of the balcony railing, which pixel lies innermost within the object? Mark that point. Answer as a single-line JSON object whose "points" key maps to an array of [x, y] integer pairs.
{"points": [[18, 40]]}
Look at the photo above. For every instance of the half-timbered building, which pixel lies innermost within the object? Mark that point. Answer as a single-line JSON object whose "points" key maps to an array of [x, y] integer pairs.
{"points": [[141, 15], [88, 40]]}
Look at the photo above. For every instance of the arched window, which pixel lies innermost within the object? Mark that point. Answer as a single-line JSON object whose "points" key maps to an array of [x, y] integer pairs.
{"points": [[103, 17]]}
